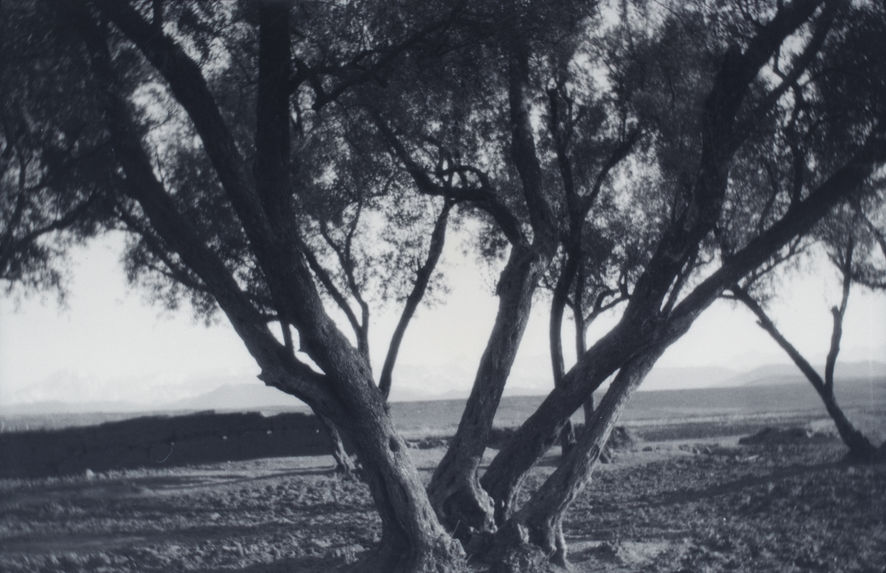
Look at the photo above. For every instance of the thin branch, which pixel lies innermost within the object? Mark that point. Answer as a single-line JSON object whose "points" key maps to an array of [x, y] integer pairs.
{"points": [[813, 47], [766, 324], [482, 197], [879, 235], [355, 72], [346, 262], [617, 155], [838, 312], [180, 234], [326, 280], [419, 288], [600, 307]]}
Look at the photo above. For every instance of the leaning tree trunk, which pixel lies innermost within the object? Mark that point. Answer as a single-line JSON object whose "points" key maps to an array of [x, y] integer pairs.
{"points": [[532, 538], [860, 447], [413, 541], [539, 432], [460, 501]]}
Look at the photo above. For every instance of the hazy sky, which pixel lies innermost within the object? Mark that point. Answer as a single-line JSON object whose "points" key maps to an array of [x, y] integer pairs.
{"points": [[110, 343]]}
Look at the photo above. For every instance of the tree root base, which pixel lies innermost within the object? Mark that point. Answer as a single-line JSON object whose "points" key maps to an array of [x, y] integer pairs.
{"points": [[512, 552], [524, 558], [866, 456], [444, 557]]}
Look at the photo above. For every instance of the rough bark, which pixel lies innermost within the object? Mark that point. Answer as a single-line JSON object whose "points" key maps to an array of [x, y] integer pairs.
{"points": [[413, 539], [540, 431], [462, 504], [537, 528], [555, 334], [344, 463]]}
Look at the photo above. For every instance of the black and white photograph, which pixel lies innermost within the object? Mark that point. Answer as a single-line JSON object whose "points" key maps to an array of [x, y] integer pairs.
{"points": [[442, 286]]}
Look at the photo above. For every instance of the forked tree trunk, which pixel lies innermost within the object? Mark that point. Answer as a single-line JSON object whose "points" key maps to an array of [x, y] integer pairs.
{"points": [[532, 538], [413, 541], [460, 501], [455, 489], [540, 431], [860, 448]]}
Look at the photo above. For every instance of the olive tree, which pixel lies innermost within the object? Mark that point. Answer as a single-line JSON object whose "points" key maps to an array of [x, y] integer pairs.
{"points": [[850, 243], [257, 147]]}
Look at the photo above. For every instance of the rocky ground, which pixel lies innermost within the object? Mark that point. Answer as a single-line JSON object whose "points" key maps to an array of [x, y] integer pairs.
{"points": [[697, 505]]}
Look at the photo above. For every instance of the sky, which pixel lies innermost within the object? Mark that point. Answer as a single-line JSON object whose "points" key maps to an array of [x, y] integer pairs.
{"points": [[109, 343]]}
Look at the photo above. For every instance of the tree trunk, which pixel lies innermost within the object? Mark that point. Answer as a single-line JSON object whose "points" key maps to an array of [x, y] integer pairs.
{"points": [[533, 536], [559, 301], [860, 448], [540, 431], [455, 489], [581, 341], [588, 407], [344, 463], [412, 538], [567, 437], [460, 501]]}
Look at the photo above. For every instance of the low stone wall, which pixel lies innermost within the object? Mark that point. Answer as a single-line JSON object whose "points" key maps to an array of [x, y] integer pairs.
{"points": [[157, 441]]}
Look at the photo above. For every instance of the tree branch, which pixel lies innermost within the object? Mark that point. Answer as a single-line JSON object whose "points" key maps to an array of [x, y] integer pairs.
{"points": [[179, 233], [326, 280], [838, 312], [482, 197], [189, 87], [822, 28], [766, 324], [419, 288]]}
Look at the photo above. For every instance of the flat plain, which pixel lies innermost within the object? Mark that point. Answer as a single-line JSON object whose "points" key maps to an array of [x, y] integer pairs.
{"points": [[684, 495]]}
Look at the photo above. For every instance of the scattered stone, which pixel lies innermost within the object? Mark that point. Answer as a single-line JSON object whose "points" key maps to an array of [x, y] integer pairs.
{"points": [[349, 553], [621, 439], [428, 443], [499, 436], [770, 436]]}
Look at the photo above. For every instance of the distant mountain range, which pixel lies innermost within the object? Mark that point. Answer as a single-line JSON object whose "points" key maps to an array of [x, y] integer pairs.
{"points": [[253, 395], [789, 374]]}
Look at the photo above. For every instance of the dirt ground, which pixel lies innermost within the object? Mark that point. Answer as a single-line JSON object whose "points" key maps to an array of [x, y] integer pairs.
{"points": [[699, 505]]}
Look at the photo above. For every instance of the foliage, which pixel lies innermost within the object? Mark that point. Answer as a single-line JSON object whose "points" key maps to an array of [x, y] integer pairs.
{"points": [[54, 161]]}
